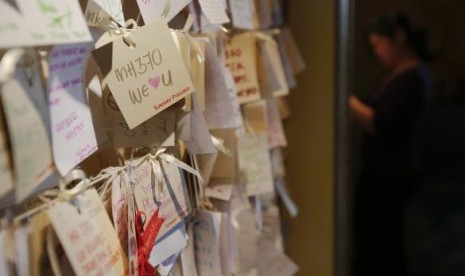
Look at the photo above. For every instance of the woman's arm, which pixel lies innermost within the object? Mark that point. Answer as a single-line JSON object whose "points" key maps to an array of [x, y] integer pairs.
{"points": [[362, 114]]}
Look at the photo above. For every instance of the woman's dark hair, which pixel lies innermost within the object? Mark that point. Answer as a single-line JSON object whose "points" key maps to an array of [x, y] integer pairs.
{"points": [[417, 37]]}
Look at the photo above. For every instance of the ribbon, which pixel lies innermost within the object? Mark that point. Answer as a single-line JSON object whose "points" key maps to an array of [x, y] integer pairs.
{"points": [[219, 144], [146, 241]]}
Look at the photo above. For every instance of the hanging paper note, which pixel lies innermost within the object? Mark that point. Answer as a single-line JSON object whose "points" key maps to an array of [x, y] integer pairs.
{"points": [[112, 8], [119, 208], [72, 130], [41, 22], [243, 14], [272, 262], [87, 236], [27, 118], [254, 160], [206, 244], [240, 58], [147, 79], [214, 11], [276, 135], [151, 10]]}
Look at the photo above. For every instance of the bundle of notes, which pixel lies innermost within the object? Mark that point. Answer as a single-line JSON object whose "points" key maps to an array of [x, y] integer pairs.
{"points": [[144, 137]]}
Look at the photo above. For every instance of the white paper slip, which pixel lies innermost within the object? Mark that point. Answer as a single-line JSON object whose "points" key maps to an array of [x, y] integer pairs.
{"points": [[87, 236], [276, 135], [246, 238], [200, 141], [214, 11], [145, 77], [119, 208], [167, 247], [222, 192], [240, 57], [254, 160], [73, 136], [6, 265], [26, 114], [151, 10], [243, 14], [219, 110], [207, 246], [272, 262], [22, 250], [189, 266], [42, 22], [113, 8]]}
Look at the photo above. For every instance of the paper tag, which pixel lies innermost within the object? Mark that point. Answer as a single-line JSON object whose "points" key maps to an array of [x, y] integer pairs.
{"points": [[200, 141], [240, 58], [189, 266], [165, 267], [246, 238], [151, 10], [207, 247], [225, 169], [256, 116], [243, 14], [295, 57], [119, 208], [214, 11], [27, 118], [132, 238], [219, 110], [86, 233], [156, 131], [6, 181], [38, 226], [254, 160], [147, 79], [272, 262], [113, 8], [222, 192], [285, 59], [271, 61], [276, 135], [72, 130], [41, 23], [170, 245], [239, 122]]}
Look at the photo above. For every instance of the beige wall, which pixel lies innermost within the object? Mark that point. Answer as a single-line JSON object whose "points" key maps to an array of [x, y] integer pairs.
{"points": [[310, 133]]}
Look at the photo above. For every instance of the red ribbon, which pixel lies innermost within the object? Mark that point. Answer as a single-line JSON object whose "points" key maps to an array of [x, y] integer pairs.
{"points": [[146, 241]]}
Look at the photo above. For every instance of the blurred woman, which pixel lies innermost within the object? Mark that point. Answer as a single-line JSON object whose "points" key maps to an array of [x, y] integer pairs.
{"points": [[389, 118]]}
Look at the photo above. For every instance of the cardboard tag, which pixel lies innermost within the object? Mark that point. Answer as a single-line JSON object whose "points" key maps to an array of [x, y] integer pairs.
{"points": [[273, 67], [152, 10], [239, 122], [96, 17], [276, 135], [6, 181], [246, 239], [148, 78], [119, 208], [112, 8], [86, 233], [214, 11], [200, 141], [240, 57], [225, 170], [167, 197], [168, 246], [207, 247], [189, 266], [256, 116], [27, 118], [272, 262], [254, 160], [72, 130], [38, 225], [219, 110], [243, 14], [157, 131], [41, 23]]}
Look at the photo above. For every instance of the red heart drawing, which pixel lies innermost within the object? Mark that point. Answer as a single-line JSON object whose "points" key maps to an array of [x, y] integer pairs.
{"points": [[155, 82]]}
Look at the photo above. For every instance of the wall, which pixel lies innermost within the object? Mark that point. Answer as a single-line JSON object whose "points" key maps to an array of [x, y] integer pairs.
{"points": [[310, 133]]}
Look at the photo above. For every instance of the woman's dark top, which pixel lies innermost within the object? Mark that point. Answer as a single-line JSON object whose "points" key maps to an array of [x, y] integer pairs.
{"points": [[399, 105]]}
